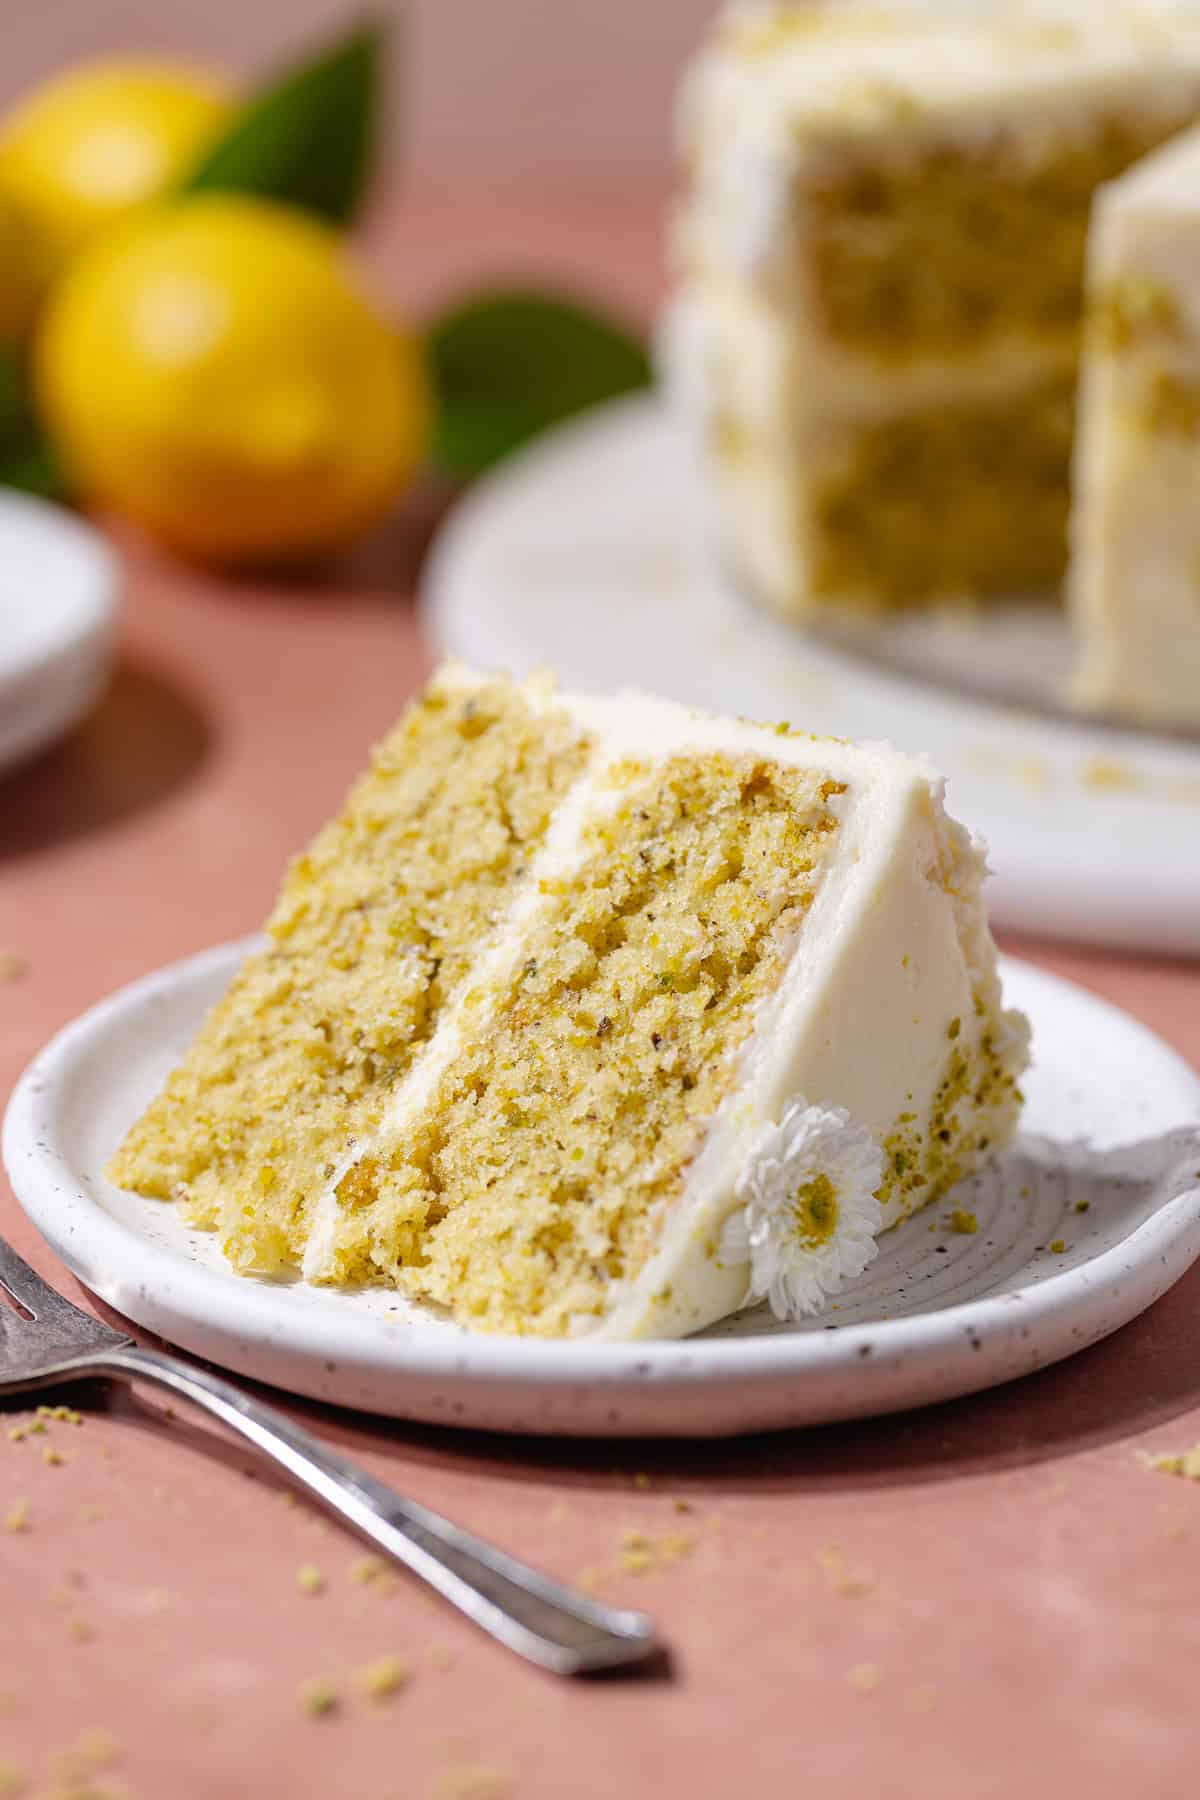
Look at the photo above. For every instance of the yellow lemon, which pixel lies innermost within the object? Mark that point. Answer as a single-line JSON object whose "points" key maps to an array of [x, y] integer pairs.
{"points": [[214, 372], [86, 147]]}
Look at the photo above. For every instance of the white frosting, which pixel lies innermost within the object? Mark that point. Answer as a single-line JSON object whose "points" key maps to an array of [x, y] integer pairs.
{"points": [[894, 947], [1135, 578], [795, 1264]]}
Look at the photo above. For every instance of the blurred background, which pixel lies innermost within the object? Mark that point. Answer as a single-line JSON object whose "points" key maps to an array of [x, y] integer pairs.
{"points": [[554, 92]]}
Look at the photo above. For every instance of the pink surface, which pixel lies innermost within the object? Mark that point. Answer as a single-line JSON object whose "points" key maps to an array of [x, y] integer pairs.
{"points": [[554, 90], [1013, 1608]]}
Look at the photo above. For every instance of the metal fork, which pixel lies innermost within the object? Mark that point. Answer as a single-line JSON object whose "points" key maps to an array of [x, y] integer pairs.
{"points": [[47, 1341]]}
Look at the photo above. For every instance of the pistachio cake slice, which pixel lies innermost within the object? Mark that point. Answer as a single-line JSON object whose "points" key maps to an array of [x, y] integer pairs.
{"points": [[599, 1016]]}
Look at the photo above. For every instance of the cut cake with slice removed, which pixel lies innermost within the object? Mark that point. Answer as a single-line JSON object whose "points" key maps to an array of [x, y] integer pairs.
{"points": [[879, 258], [599, 1016], [1135, 574]]}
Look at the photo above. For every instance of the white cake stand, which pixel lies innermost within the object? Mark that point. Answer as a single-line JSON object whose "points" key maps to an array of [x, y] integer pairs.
{"points": [[590, 552]]}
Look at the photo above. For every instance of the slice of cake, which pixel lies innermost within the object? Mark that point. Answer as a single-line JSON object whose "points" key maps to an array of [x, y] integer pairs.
{"points": [[1135, 574], [598, 1015], [880, 260]]}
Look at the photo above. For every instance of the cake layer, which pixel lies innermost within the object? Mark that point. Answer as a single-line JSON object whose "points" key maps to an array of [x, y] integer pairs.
{"points": [[906, 498], [376, 925], [1135, 577], [954, 501]]}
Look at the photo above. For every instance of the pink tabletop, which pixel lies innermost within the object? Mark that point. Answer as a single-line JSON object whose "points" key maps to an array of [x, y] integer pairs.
{"points": [[991, 1598]]}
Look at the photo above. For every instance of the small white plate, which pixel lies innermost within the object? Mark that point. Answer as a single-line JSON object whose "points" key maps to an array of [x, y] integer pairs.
{"points": [[938, 1314], [591, 552], [58, 598]]}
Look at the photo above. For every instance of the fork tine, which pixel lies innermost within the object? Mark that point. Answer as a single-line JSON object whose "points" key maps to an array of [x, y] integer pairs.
{"points": [[52, 1311]]}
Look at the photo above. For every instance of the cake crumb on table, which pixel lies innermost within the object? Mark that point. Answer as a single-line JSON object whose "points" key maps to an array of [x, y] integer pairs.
{"points": [[19, 1516], [370, 1571], [866, 1677], [309, 1579], [12, 966], [317, 1696], [472, 1781], [386, 1676], [1182, 1462], [849, 1583], [12, 1780]]}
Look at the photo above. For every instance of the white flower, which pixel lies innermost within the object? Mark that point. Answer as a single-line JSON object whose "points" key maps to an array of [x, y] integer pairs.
{"points": [[810, 1217]]}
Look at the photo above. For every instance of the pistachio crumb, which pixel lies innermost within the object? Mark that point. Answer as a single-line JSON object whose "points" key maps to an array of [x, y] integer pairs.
{"points": [[318, 1696], [866, 1677], [367, 1570], [380, 1679], [309, 1579], [18, 1517]]}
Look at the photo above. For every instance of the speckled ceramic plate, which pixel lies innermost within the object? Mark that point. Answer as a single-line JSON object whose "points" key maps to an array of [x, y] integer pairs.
{"points": [[1080, 1227], [592, 552], [58, 593]]}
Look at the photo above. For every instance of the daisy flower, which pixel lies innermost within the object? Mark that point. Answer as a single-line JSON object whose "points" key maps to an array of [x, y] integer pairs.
{"points": [[809, 1218]]}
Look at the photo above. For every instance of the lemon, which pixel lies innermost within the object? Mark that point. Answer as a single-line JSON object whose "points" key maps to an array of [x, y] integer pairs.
{"points": [[214, 372], [86, 147]]}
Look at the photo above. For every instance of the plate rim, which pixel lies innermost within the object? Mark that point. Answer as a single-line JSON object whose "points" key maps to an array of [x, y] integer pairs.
{"points": [[88, 1239]]}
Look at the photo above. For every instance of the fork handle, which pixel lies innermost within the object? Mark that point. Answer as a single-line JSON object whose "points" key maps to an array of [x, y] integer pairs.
{"points": [[542, 1621]]}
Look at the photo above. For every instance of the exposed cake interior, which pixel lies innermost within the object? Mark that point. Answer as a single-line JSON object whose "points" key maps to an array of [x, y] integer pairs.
{"points": [[530, 1179], [526, 1005], [923, 504], [925, 248], [373, 931]]}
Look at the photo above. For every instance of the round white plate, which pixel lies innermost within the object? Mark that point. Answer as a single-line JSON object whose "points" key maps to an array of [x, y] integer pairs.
{"points": [[58, 597], [937, 1314], [590, 552]]}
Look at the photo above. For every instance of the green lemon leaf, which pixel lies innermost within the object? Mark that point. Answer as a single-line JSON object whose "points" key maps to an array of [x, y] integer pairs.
{"points": [[27, 460], [308, 137], [14, 411], [511, 362], [33, 466]]}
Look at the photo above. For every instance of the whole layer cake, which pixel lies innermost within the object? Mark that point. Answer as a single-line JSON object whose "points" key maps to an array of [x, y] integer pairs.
{"points": [[880, 260], [595, 1015], [1135, 571]]}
